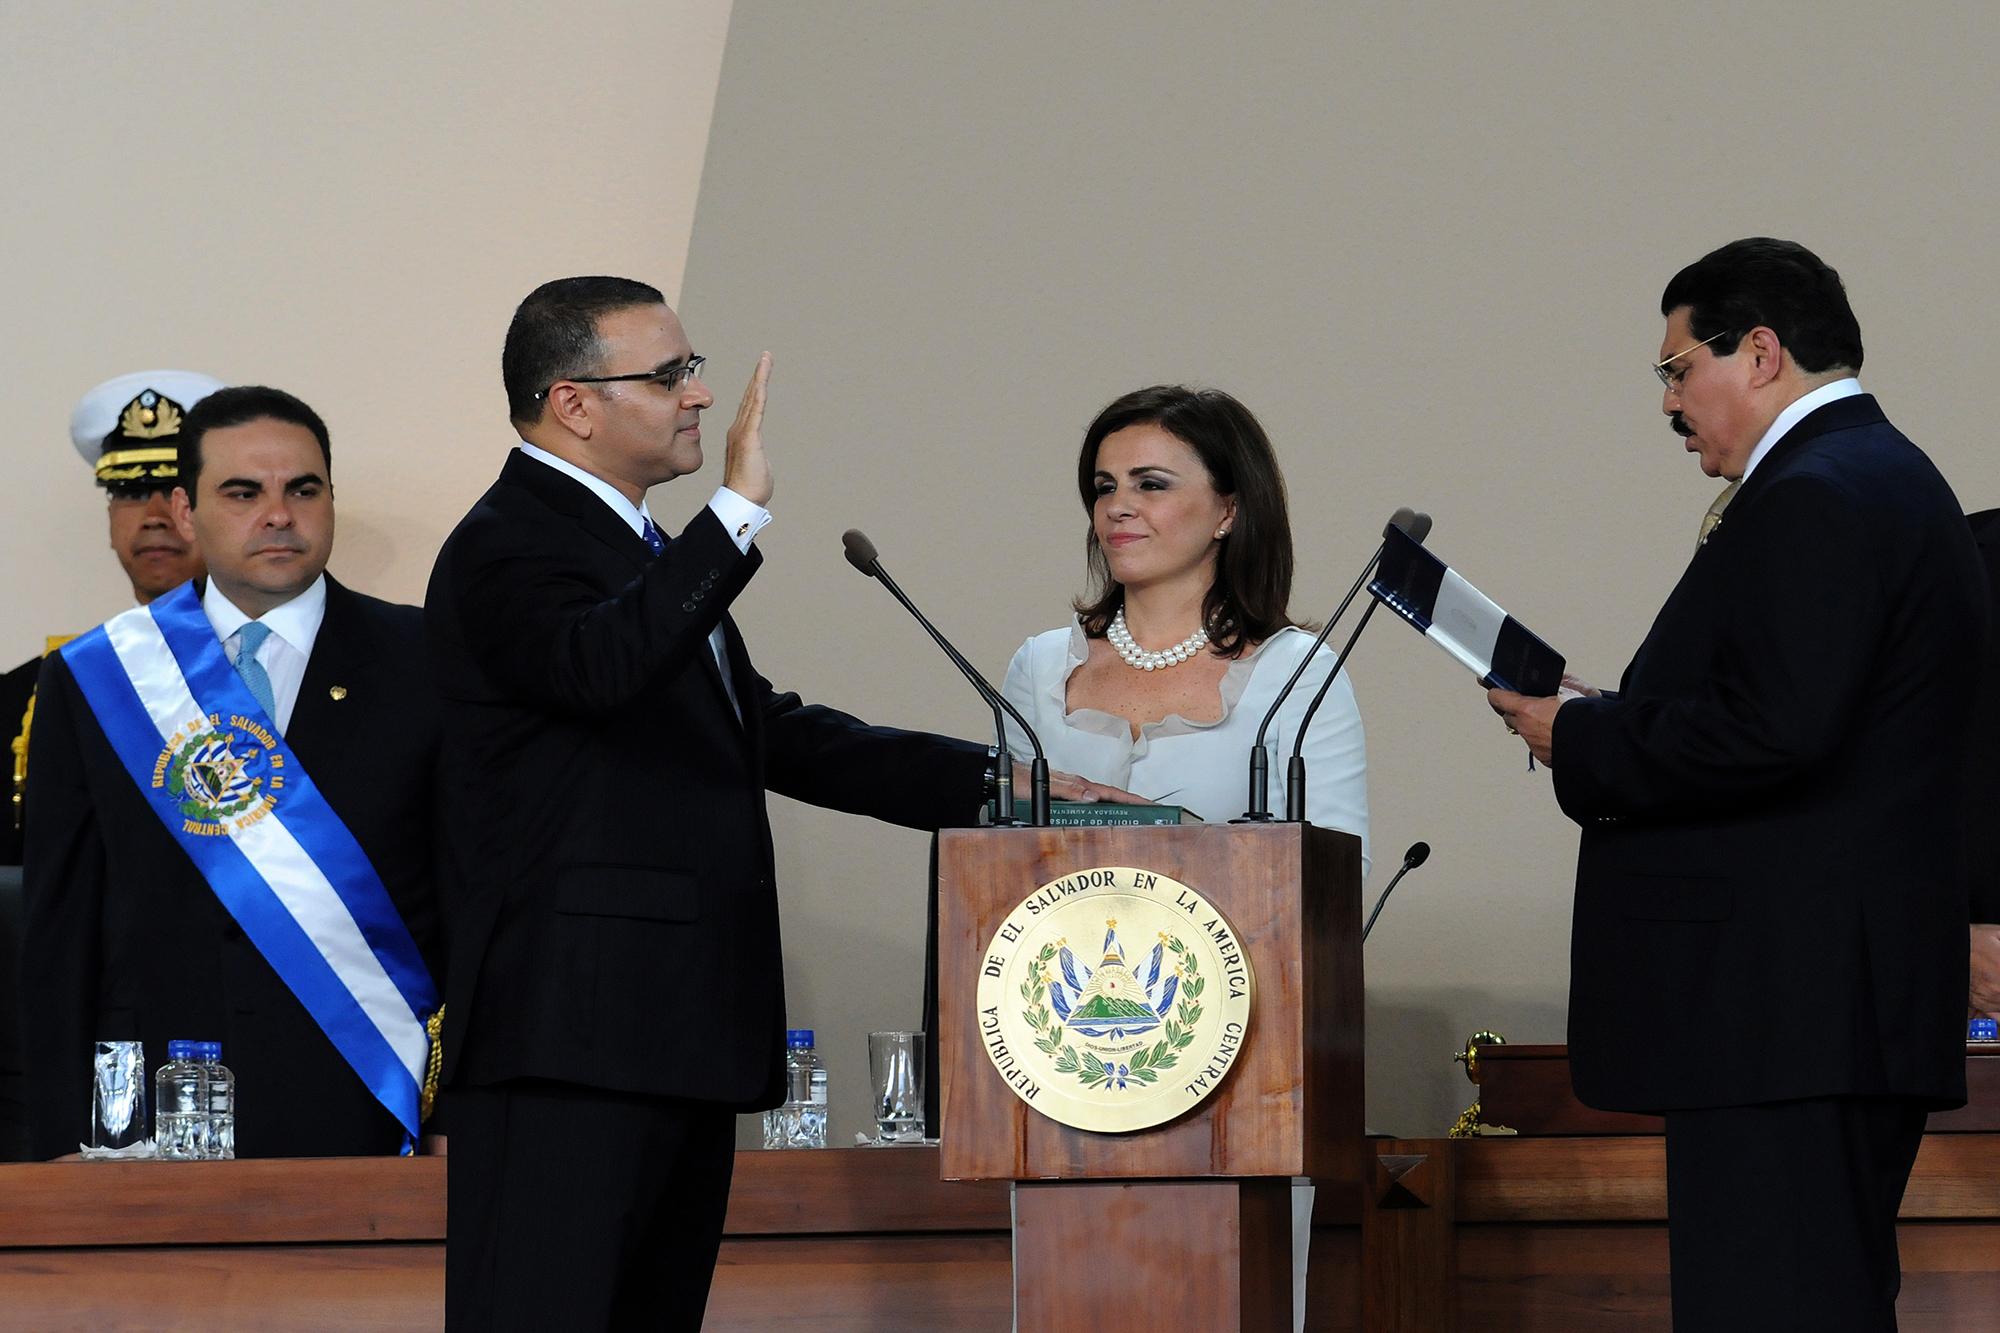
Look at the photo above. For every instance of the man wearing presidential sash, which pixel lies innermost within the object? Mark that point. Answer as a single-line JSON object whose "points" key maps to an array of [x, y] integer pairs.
{"points": [[233, 834]]}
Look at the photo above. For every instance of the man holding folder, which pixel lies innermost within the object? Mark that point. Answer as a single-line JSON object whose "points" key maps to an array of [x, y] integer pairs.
{"points": [[1769, 939]]}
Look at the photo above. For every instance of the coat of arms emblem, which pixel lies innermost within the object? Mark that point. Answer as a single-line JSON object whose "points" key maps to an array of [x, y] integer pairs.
{"points": [[1095, 1003], [218, 778]]}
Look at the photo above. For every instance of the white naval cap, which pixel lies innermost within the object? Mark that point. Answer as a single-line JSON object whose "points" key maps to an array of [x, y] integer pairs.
{"points": [[125, 428]]}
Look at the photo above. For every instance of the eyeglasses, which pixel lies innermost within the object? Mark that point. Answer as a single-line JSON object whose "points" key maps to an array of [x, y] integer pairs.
{"points": [[1672, 378], [670, 379]]}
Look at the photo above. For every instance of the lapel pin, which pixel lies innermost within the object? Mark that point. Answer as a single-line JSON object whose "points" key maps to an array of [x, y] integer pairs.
{"points": [[337, 693]]}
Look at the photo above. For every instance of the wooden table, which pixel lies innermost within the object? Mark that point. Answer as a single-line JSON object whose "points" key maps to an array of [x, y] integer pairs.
{"points": [[861, 1239], [1560, 1233], [1564, 1227], [843, 1239], [1570, 1234], [298, 1244]]}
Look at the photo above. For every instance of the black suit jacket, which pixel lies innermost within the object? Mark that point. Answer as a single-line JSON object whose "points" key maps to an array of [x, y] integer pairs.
{"points": [[1769, 903], [1983, 762], [125, 939], [614, 923]]}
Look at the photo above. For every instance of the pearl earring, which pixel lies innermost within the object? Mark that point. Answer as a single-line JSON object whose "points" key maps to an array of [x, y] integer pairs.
{"points": [[1220, 533]]}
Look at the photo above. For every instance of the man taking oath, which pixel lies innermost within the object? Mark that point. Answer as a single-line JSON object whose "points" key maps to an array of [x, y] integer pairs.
{"points": [[617, 992], [1769, 936]]}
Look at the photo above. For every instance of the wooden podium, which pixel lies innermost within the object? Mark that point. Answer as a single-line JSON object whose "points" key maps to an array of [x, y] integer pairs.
{"points": [[1188, 1222]]}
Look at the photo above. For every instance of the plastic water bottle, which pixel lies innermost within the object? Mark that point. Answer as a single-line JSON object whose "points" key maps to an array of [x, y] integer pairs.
{"points": [[801, 1121], [180, 1122], [221, 1137], [812, 1119]]}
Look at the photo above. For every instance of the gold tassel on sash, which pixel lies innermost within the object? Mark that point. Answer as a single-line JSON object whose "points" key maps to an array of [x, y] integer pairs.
{"points": [[433, 1067]]}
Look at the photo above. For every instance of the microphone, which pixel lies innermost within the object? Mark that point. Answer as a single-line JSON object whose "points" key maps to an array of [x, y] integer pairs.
{"points": [[1260, 758], [1295, 772], [862, 555], [1419, 853]]}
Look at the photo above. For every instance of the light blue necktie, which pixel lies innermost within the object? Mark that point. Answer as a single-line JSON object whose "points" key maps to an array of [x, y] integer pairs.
{"points": [[248, 640]]}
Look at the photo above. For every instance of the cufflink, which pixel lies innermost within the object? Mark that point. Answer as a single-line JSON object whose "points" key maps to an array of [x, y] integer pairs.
{"points": [[743, 530]]}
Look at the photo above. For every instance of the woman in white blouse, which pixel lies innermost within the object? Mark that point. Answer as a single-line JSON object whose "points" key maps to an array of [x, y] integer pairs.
{"points": [[1158, 686]]}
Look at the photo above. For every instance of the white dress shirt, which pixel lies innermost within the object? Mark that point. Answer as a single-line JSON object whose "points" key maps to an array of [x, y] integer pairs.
{"points": [[742, 519], [1202, 766], [1795, 412], [294, 628]]}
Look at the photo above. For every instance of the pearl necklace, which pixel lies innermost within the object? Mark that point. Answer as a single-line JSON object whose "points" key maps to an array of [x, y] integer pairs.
{"points": [[1139, 659]]}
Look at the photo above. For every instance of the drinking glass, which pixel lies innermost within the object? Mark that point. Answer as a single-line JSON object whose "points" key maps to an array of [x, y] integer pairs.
{"points": [[896, 1066], [118, 1095]]}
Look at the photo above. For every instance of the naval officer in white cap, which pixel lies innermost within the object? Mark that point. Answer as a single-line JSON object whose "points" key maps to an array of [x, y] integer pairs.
{"points": [[127, 430]]}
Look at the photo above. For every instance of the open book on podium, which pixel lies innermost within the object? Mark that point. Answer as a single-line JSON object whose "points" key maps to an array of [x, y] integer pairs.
{"points": [[1106, 814], [1465, 622]]}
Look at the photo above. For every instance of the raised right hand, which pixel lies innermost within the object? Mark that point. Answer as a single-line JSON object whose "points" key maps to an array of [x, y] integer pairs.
{"points": [[745, 468]]}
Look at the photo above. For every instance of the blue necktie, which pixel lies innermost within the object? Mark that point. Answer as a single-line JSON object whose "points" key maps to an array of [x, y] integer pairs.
{"points": [[654, 538], [248, 640]]}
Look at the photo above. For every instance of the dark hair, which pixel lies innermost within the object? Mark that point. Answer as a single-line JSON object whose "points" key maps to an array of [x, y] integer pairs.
{"points": [[238, 406], [553, 336], [1778, 284], [1253, 565]]}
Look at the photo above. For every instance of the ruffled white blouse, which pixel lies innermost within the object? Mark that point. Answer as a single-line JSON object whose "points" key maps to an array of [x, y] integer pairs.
{"points": [[1203, 766]]}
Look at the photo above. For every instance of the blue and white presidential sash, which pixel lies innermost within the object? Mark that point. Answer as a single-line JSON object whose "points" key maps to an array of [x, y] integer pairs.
{"points": [[211, 765]]}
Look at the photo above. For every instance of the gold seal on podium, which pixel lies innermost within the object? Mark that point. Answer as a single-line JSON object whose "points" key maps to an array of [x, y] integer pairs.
{"points": [[1114, 999]]}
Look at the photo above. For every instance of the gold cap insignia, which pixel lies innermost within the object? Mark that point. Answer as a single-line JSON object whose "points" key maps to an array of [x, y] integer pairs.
{"points": [[336, 692], [150, 416]]}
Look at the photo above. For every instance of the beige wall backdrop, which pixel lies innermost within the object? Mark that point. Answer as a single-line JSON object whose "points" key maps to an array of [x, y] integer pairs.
{"points": [[345, 200], [1425, 243]]}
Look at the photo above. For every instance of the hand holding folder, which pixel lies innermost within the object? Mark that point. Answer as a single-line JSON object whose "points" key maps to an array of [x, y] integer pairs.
{"points": [[1524, 676]]}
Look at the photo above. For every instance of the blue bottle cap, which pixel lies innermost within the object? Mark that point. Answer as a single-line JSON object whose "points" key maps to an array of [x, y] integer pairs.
{"points": [[212, 1050], [1982, 1029], [182, 1050], [797, 1037]]}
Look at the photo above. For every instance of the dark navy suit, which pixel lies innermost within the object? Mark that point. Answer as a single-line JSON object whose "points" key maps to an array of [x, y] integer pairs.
{"points": [[1770, 909], [1983, 790]]}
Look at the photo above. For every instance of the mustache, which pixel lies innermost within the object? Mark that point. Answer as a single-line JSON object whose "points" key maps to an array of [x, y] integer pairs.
{"points": [[278, 544], [1680, 425]]}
